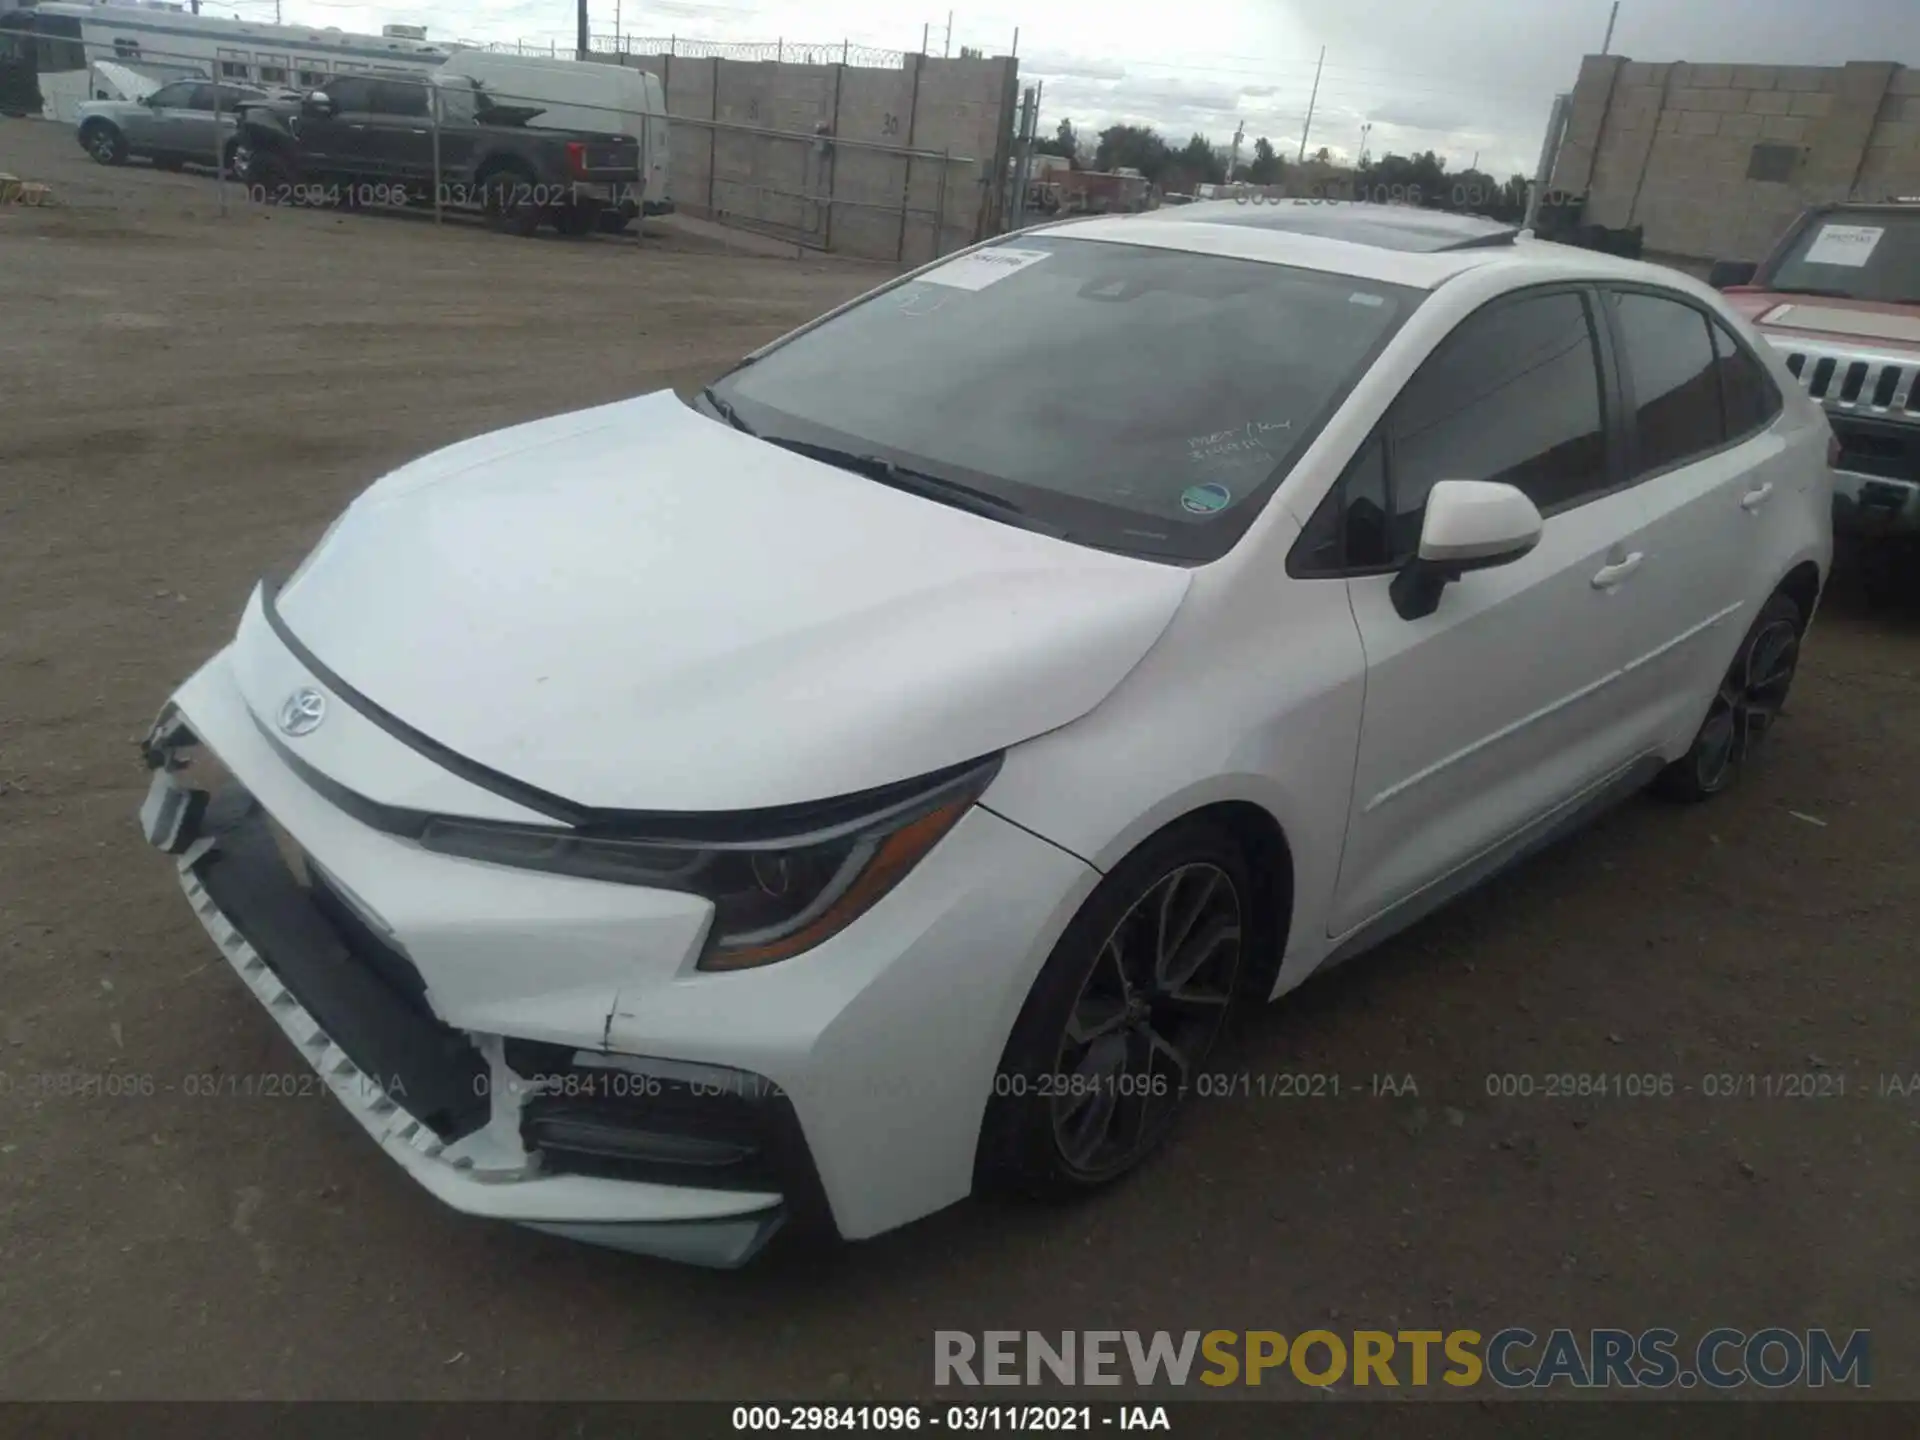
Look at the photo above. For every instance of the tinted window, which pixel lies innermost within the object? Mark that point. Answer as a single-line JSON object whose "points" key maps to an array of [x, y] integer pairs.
{"points": [[350, 92], [1138, 398], [399, 97], [1349, 530], [178, 96], [1669, 358], [1513, 395], [1745, 389]]}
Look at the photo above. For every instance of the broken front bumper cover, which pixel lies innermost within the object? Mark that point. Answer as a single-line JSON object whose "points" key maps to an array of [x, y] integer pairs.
{"points": [[446, 1106]]}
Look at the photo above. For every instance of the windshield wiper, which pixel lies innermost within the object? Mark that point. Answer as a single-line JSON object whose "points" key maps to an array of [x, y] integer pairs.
{"points": [[725, 411], [916, 482], [1824, 294]]}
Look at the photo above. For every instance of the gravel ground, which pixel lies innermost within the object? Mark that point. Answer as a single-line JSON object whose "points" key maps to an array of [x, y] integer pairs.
{"points": [[190, 397]]}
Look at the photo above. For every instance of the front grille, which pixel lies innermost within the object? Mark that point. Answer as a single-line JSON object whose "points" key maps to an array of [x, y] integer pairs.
{"points": [[359, 989], [1849, 382]]}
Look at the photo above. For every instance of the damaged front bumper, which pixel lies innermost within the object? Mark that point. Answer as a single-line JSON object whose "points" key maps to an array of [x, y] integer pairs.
{"points": [[696, 1163]]}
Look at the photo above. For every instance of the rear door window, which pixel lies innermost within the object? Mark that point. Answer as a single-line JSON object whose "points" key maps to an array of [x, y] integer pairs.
{"points": [[1672, 373], [1747, 393]]}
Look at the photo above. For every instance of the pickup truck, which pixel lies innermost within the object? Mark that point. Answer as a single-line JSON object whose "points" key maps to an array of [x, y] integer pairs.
{"points": [[390, 139], [1839, 297]]}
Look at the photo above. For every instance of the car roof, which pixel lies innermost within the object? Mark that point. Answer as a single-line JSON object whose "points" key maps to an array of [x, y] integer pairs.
{"points": [[1391, 227], [1534, 261]]}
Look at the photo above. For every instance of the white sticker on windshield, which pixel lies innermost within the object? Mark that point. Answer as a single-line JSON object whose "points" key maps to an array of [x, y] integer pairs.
{"points": [[1849, 245], [984, 267]]}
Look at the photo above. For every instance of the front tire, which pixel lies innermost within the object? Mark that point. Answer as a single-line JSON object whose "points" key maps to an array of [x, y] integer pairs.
{"points": [[1111, 1039], [1744, 708], [104, 142]]}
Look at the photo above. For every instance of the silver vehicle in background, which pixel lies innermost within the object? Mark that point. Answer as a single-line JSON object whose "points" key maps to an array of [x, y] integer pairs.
{"points": [[173, 126]]}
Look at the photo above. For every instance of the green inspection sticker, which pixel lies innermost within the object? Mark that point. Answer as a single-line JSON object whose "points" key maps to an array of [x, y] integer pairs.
{"points": [[1206, 499]]}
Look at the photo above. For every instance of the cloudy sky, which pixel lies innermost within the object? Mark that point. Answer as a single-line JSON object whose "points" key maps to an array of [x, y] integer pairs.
{"points": [[1463, 78]]}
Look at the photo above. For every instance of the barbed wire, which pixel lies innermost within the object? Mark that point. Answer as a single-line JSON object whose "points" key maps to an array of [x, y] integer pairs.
{"points": [[791, 52]]}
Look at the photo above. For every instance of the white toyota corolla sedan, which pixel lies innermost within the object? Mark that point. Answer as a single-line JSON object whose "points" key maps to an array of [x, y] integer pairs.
{"points": [[881, 779]]}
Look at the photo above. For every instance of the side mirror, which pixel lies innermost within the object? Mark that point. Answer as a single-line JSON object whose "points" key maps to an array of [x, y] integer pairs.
{"points": [[1469, 525], [318, 103], [1731, 272]]}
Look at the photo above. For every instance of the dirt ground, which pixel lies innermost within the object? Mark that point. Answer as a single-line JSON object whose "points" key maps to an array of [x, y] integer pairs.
{"points": [[186, 399]]}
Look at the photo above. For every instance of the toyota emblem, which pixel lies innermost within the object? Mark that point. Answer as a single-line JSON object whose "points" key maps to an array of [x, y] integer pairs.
{"points": [[303, 711]]}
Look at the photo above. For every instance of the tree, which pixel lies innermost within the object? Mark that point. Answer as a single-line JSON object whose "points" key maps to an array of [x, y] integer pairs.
{"points": [[971, 52], [1322, 156], [1137, 147], [1065, 142], [1201, 161], [1407, 180], [1267, 167]]}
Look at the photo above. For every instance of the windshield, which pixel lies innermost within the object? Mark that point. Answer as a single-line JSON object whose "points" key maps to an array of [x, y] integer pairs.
{"points": [[1859, 254], [1131, 398]]}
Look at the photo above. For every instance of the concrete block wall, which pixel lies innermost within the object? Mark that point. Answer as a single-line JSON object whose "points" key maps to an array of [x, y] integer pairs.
{"points": [[1668, 146], [840, 197]]}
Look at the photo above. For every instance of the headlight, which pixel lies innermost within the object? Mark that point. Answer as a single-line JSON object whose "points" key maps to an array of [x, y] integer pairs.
{"points": [[808, 874]]}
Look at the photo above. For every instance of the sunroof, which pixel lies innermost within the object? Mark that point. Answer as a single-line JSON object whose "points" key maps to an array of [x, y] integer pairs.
{"points": [[1388, 227]]}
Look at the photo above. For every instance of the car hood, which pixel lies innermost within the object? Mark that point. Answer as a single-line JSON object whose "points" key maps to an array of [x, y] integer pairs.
{"points": [[637, 607], [1789, 316]]}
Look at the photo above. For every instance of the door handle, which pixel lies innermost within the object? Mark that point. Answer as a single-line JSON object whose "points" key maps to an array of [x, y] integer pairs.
{"points": [[1607, 577], [1754, 499]]}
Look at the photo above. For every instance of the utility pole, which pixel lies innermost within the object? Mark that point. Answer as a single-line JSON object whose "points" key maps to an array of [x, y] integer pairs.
{"points": [[1606, 45], [946, 46], [1023, 164], [585, 40], [1311, 99], [1365, 130], [923, 37], [1233, 155], [1549, 150]]}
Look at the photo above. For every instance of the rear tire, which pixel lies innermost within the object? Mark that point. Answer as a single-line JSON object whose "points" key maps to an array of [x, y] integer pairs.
{"points": [[1743, 709], [1111, 1039], [104, 142], [578, 219], [507, 193]]}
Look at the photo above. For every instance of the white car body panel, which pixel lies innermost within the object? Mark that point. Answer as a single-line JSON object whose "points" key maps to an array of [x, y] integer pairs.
{"points": [[556, 619], [637, 608]]}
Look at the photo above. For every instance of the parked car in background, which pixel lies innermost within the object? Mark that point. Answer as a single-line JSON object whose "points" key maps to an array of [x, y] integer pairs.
{"points": [[883, 778], [1839, 298], [172, 127], [378, 140]]}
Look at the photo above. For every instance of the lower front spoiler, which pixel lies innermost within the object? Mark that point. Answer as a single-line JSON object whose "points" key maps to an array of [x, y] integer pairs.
{"points": [[485, 1172]]}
